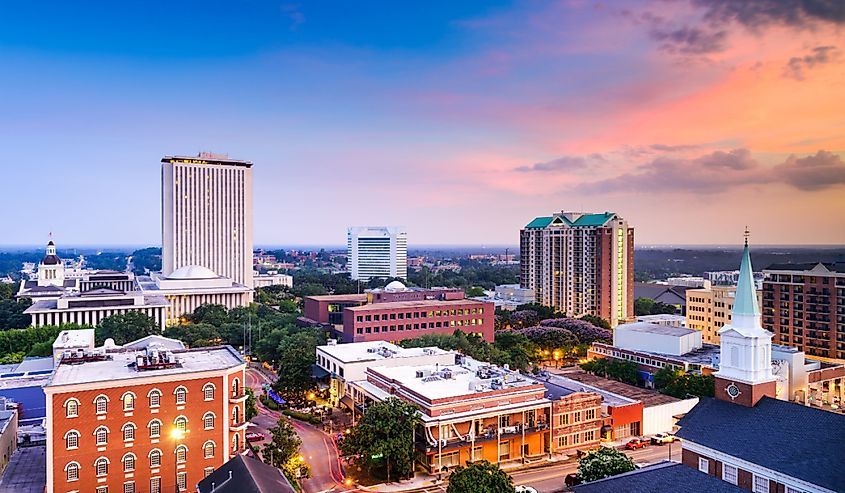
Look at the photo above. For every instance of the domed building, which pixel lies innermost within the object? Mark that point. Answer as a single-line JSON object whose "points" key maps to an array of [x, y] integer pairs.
{"points": [[50, 282], [190, 286]]}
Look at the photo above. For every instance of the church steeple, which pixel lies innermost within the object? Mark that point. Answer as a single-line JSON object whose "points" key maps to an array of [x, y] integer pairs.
{"points": [[746, 311]]}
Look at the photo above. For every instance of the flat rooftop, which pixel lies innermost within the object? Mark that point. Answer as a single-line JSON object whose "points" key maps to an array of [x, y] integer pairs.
{"points": [[118, 367], [413, 304], [338, 297], [375, 351], [211, 159], [442, 381], [74, 339], [647, 397], [558, 386], [652, 328], [660, 317]]}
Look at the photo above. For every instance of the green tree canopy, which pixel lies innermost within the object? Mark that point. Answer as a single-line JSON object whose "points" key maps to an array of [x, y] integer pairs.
{"points": [[480, 477], [384, 438], [282, 451], [679, 384], [474, 291], [647, 306], [126, 327], [12, 313], [294, 368], [597, 321], [603, 463]]}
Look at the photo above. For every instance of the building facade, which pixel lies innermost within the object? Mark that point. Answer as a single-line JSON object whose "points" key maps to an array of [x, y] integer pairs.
{"points": [[51, 280], [580, 263], [207, 215], [91, 307], [377, 251], [143, 419], [709, 309], [804, 306]]}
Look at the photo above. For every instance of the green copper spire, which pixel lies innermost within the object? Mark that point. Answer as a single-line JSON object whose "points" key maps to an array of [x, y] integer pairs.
{"points": [[745, 302]]}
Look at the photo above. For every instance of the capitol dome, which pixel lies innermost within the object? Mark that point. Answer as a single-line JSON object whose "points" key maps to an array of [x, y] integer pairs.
{"points": [[192, 272], [395, 286]]}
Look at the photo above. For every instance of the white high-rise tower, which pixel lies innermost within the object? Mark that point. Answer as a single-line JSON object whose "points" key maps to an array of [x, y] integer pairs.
{"points": [[207, 215], [377, 252]]}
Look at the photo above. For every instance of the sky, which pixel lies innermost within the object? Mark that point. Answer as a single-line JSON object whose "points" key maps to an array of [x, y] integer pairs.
{"points": [[461, 121]]}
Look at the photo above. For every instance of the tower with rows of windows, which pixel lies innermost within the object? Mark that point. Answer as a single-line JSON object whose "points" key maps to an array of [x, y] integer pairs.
{"points": [[149, 416]]}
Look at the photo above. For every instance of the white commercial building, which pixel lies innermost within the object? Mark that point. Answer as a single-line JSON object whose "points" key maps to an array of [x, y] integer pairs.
{"points": [[207, 215], [190, 286], [349, 362], [377, 252], [271, 279], [90, 307], [662, 339], [664, 319]]}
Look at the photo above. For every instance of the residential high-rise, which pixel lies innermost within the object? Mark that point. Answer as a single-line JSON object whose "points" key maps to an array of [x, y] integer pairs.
{"points": [[377, 251], [207, 215], [580, 263], [804, 306]]}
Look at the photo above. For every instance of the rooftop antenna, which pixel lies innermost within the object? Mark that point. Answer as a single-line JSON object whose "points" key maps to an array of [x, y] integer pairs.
{"points": [[746, 235]]}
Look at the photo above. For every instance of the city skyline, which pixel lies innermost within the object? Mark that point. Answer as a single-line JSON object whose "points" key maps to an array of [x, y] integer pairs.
{"points": [[460, 122]]}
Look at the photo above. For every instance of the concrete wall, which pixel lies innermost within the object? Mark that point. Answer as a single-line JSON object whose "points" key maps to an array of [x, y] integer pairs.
{"points": [[660, 419]]}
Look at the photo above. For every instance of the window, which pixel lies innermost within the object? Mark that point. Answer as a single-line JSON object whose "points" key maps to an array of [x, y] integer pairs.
{"points": [[128, 401], [236, 387], [129, 487], [729, 473], [155, 485], [563, 441], [182, 481], [504, 450], [591, 414], [155, 458], [790, 489], [589, 436], [128, 432], [236, 415], [207, 471], [71, 408], [181, 423], [563, 419], [208, 420], [72, 439], [236, 442], [703, 465], [181, 395], [155, 398], [102, 466], [208, 450], [208, 391], [102, 489], [102, 435], [576, 417], [576, 439], [128, 462], [181, 454], [761, 484], [72, 471], [155, 428], [101, 403]]}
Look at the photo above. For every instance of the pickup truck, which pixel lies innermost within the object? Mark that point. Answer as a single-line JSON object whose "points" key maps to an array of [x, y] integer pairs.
{"points": [[636, 443], [663, 438]]}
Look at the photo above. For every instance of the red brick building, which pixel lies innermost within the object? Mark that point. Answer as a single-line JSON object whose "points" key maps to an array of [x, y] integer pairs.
{"points": [[143, 419]]}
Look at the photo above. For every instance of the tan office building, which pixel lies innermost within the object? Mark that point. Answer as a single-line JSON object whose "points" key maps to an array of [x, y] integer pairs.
{"points": [[709, 309]]}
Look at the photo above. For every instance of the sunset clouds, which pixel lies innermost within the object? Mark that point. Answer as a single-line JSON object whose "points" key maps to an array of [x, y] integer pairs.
{"points": [[484, 117]]}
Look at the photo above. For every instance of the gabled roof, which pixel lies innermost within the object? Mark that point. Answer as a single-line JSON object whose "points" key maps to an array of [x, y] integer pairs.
{"points": [[539, 222], [663, 477], [594, 219], [245, 475], [792, 439], [585, 220]]}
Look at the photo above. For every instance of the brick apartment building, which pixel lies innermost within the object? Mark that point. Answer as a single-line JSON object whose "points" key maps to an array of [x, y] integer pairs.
{"points": [[580, 263], [804, 306], [144, 417], [398, 312]]}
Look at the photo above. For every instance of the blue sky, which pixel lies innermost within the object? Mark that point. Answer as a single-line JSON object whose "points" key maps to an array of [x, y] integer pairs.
{"points": [[459, 120]]}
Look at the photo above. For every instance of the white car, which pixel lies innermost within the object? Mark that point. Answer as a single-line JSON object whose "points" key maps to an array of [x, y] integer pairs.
{"points": [[525, 489]]}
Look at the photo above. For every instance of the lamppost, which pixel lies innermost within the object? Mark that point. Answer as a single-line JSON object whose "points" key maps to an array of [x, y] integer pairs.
{"points": [[177, 434]]}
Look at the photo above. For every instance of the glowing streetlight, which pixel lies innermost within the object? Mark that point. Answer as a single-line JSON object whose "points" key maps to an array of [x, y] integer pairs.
{"points": [[177, 433]]}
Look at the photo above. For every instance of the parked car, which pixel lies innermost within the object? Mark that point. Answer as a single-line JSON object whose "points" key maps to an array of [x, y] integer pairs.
{"points": [[571, 479], [525, 489], [636, 443], [663, 438], [254, 436]]}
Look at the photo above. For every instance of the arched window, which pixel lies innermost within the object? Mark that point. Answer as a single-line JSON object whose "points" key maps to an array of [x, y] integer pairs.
{"points": [[128, 401], [236, 415], [128, 432], [72, 471], [236, 387], [101, 403], [102, 435], [155, 428], [236, 442], [208, 449], [208, 420], [181, 423], [181, 454], [181, 394], [155, 457], [72, 439], [129, 462], [72, 410], [102, 466], [208, 391], [155, 398]]}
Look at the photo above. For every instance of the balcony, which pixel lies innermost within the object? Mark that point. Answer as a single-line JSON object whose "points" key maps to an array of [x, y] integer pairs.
{"points": [[237, 397], [239, 425]]}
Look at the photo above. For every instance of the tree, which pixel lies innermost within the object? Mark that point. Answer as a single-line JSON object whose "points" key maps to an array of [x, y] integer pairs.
{"points": [[384, 439], [603, 463], [586, 332], [211, 314], [597, 321], [679, 384], [251, 409], [480, 476], [647, 306], [624, 371], [282, 451], [195, 335], [126, 327], [12, 314], [474, 292], [294, 368]]}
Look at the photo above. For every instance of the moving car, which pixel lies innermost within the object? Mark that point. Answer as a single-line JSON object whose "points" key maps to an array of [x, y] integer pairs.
{"points": [[636, 443], [254, 436], [663, 438]]}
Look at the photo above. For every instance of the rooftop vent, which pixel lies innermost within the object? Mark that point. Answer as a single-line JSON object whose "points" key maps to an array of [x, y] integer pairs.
{"points": [[155, 358], [80, 356]]}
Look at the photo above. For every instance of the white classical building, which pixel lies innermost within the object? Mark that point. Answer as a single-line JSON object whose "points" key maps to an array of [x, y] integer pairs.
{"points": [[271, 279], [377, 251], [207, 215], [51, 282], [90, 307], [190, 286]]}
